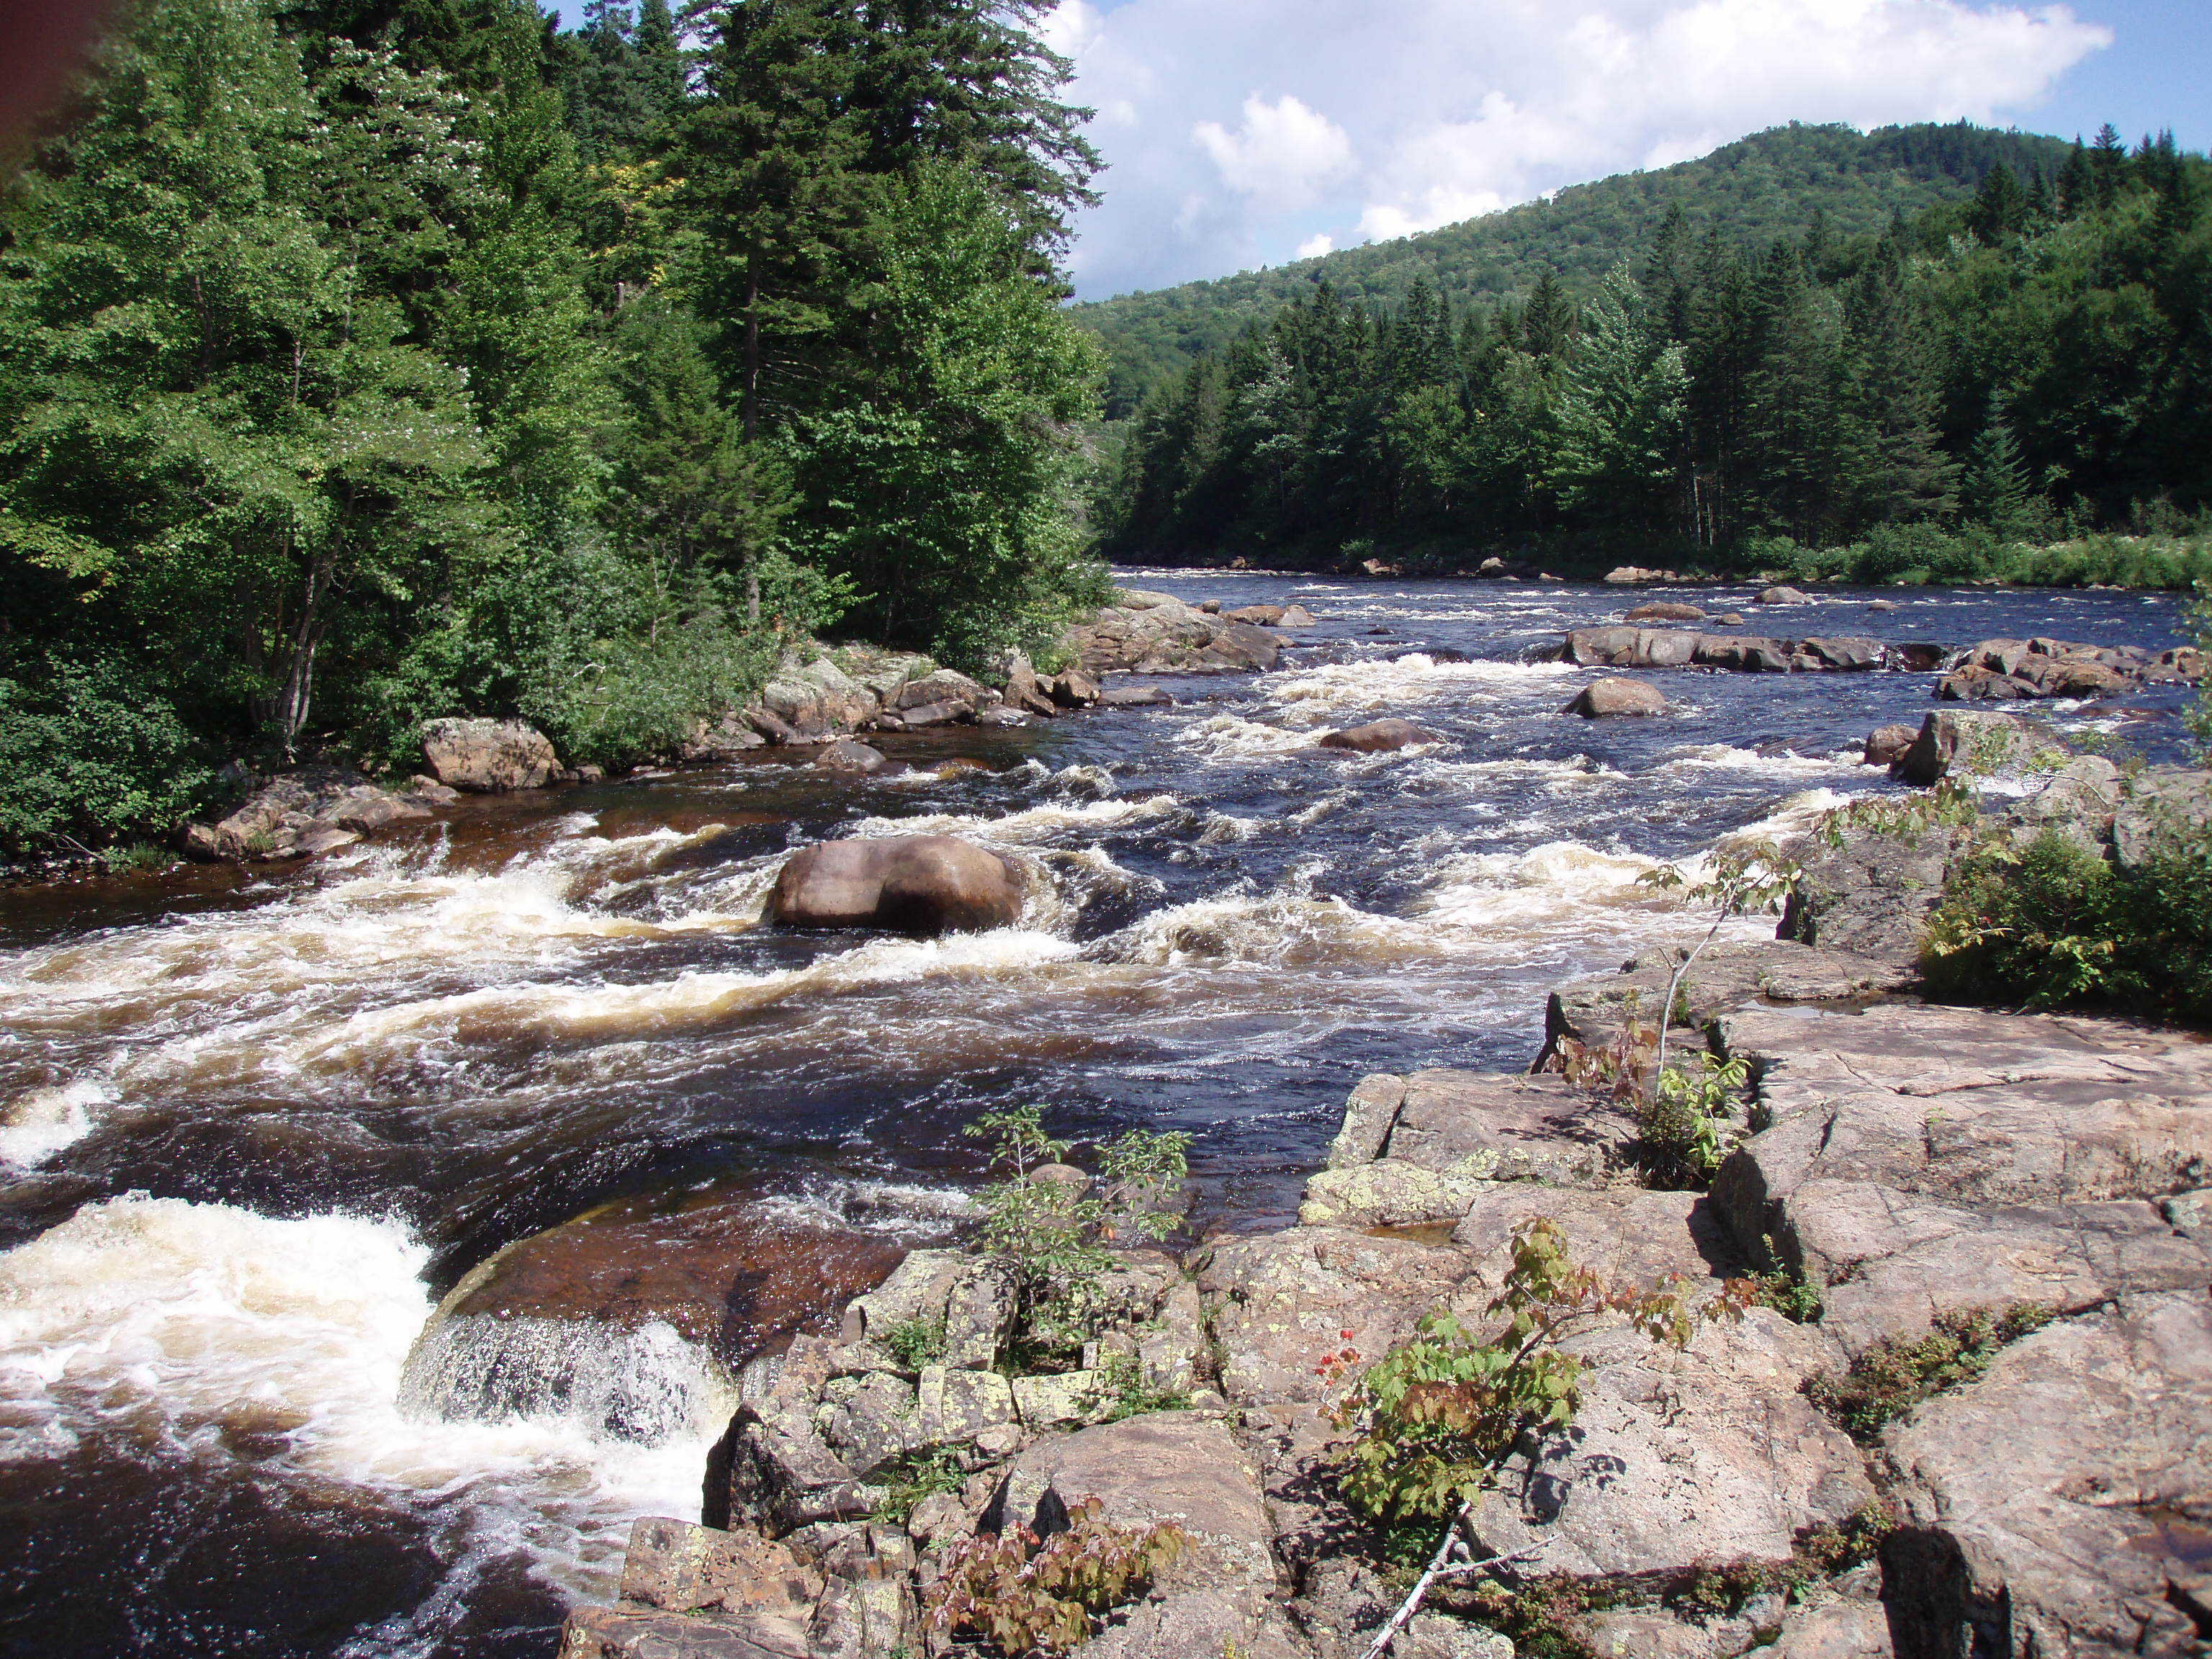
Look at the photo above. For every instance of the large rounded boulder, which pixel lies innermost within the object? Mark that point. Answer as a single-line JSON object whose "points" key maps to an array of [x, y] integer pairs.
{"points": [[1377, 736], [487, 756], [924, 884], [1616, 696]]}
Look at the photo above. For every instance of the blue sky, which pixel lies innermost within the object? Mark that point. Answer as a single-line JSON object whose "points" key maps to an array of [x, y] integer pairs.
{"points": [[1247, 132]]}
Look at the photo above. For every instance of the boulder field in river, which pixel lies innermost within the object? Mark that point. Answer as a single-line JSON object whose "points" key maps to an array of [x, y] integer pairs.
{"points": [[924, 884], [1895, 1163], [1996, 670]]}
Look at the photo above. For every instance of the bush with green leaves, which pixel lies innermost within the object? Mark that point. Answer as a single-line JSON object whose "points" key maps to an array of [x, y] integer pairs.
{"points": [[1050, 1243], [1026, 1595], [88, 756], [1432, 1423]]}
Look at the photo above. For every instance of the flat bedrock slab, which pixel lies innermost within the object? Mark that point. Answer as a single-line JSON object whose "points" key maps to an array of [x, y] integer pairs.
{"points": [[2050, 1506]]}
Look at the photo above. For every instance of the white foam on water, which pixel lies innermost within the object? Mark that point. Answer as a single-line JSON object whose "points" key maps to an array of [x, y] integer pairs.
{"points": [[1231, 737], [1727, 757], [177, 1320], [1291, 926], [414, 1032], [1041, 822], [1550, 884], [39, 1122], [1321, 696]]}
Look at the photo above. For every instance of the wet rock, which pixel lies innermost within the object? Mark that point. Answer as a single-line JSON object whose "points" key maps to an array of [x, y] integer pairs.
{"points": [[922, 885], [1134, 696], [1175, 1466], [1631, 647], [1666, 610], [2052, 1506], [1260, 616], [1026, 691], [1781, 595], [1492, 569], [855, 759], [1882, 604], [1377, 736], [487, 756], [1283, 1303], [1886, 743], [1073, 689], [1679, 1459], [1744, 654], [1605, 698], [1951, 742], [300, 814], [431, 793], [1296, 615], [1849, 654]]}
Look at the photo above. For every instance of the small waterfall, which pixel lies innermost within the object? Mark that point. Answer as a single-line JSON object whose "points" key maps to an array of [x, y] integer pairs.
{"points": [[645, 1384]]}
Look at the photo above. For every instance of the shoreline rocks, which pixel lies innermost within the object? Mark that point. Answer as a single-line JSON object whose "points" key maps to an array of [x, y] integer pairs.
{"points": [[304, 814], [487, 756]]}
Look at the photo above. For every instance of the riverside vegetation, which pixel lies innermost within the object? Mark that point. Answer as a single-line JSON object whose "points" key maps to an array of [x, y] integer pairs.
{"points": [[361, 365], [2012, 387]]}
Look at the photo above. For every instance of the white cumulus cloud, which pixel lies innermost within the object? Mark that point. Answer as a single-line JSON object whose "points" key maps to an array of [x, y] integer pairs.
{"points": [[1373, 122]]}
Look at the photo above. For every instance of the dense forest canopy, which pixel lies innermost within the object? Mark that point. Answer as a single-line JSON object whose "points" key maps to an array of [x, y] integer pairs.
{"points": [[367, 360], [1769, 185], [2033, 363]]}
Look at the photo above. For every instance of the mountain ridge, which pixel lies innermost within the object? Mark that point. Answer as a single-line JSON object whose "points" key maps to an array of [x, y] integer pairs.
{"points": [[1765, 184]]}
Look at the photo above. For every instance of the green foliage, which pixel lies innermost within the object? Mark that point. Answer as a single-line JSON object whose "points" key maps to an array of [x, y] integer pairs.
{"points": [[913, 1343], [2053, 924], [1028, 1597], [907, 1480], [1682, 1124], [1893, 1376], [1052, 1244], [1787, 1291], [1917, 402], [358, 367], [1432, 1422], [1132, 1396], [86, 752]]}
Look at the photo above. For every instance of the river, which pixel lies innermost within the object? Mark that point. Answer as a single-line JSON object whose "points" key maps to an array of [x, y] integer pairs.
{"points": [[253, 1125]]}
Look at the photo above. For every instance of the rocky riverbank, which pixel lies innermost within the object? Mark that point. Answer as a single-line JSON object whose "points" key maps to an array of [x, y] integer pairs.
{"points": [[1903, 1184]]}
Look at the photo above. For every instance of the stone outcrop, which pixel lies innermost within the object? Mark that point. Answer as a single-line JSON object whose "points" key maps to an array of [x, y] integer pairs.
{"points": [[1666, 610], [303, 814], [2005, 670], [1885, 744], [1960, 741], [487, 756], [1156, 633], [922, 885]]}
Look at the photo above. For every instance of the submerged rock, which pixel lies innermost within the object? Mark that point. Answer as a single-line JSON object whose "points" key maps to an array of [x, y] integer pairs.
{"points": [[922, 885], [487, 756], [855, 758]]}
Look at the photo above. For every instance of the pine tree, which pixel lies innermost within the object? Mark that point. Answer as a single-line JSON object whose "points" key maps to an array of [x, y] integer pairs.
{"points": [[1549, 321], [1617, 417], [1995, 491]]}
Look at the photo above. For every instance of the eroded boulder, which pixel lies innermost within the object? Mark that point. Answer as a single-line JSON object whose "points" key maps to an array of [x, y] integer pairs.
{"points": [[487, 756], [923, 885], [1377, 736], [1613, 696]]}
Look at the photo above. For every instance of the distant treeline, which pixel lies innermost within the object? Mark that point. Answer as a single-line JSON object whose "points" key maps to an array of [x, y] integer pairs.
{"points": [[2030, 366], [364, 361]]}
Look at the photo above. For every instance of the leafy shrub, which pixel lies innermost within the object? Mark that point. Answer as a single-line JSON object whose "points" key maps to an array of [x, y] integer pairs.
{"points": [[1132, 1396], [1025, 1596], [2054, 924], [1050, 1243], [1434, 1420], [1893, 1376], [1681, 1123], [909, 1480], [913, 1343], [85, 751]]}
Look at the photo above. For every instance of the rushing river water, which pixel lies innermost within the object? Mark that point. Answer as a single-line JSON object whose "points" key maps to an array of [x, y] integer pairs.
{"points": [[253, 1125]]}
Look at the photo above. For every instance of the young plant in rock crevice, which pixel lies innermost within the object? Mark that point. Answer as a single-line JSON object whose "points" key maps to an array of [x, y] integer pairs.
{"points": [[1049, 1238], [1746, 879], [1433, 1423], [1027, 1596]]}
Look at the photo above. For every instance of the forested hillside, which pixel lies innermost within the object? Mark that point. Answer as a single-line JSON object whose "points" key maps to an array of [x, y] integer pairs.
{"points": [[1768, 184], [366, 361], [2030, 366]]}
